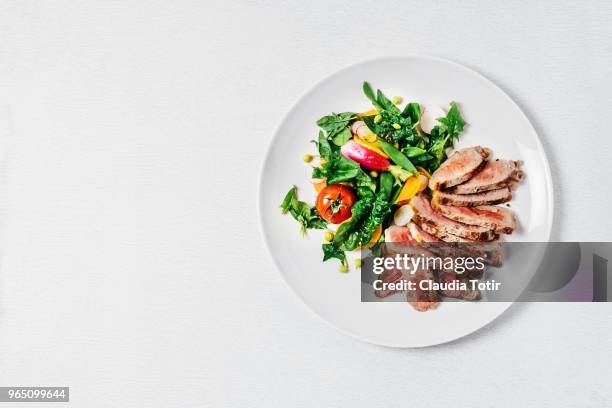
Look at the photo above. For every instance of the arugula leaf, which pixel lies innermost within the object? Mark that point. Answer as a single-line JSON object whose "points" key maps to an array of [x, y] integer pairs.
{"points": [[301, 212], [443, 136], [453, 123]]}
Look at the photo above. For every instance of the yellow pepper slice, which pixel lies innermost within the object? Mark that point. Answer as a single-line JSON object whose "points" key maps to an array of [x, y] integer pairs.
{"points": [[410, 189], [370, 112]]}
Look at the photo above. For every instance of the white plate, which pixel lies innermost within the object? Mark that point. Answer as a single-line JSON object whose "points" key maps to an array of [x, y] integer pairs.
{"points": [[494, 121]]}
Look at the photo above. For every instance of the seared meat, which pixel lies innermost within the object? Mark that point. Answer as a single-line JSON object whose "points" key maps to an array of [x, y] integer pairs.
{"points": [[501, 220], [449, 276], [424, 214], [440, 233], [459, 167], [389, 276], [495, 174], [491, 251], [421, 299], [420, 235], [491, 197]]}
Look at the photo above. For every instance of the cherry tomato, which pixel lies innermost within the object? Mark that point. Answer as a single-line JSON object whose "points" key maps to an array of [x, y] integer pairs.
{"points": [[334, 203]]}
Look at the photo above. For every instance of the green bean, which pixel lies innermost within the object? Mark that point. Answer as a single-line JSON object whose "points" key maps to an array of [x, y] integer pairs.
{"points": [[398, 157]]}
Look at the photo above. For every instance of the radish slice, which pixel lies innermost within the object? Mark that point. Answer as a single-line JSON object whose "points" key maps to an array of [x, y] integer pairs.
{"points": [[367, 158], [429, 117], [403, 215]]}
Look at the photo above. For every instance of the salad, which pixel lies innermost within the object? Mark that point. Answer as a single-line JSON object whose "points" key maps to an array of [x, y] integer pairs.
{"points": [[368, 166]]}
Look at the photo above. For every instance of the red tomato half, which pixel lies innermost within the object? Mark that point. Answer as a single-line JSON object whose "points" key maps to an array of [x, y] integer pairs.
{"points": [[334, 203]]}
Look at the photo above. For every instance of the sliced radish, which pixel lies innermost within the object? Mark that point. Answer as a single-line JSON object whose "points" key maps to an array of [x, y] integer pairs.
{"points": [[429, 117], [403, 215]]}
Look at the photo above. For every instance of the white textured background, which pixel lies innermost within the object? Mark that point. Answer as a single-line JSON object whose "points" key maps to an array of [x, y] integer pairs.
{"points": [[131, 136]]}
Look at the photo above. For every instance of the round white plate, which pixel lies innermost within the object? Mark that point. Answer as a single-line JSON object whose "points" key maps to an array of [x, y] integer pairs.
{"points": [[494, 121]]}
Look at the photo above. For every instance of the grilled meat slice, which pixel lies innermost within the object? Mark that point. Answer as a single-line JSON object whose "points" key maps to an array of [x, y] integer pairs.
{"points": [[420, 235], [502, 220], [422, 299], [389, 276], [495, 174], [490, 197], [449, 276], [459, 167], [425, 214], [490, 251]]}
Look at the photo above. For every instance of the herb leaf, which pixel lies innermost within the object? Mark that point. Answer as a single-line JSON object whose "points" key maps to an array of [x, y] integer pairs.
{"points": [[453, 123], [330, 251], [301, 212]]}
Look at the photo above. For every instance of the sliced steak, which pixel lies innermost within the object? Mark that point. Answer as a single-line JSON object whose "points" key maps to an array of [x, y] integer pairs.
{"points": [[447, 277], [389, 276], [490, 197], [495, 174], [459, 167], [420, 235], [422, 299], [501, 220], [490, 251], [425, 214]]}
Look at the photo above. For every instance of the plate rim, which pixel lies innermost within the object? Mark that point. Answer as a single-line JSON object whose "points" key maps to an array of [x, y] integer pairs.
{"points": [[504, 306]]}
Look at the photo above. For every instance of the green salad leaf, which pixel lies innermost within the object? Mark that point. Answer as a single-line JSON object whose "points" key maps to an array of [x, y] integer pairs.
{"points": [[443, 136], [330, 251], [336, 125], [366, 215], [301, 212], [394, 125]]}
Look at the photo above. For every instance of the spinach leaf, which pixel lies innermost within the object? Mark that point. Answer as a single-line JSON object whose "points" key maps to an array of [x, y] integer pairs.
{"points": [[366, 215], [301, 212], [318, 173], [325, 150], [412, 111], [342, 137], [380, 209], [369, 93], [385, 103], [437, 149], [385, 184], [339, 168], [335, 124]]}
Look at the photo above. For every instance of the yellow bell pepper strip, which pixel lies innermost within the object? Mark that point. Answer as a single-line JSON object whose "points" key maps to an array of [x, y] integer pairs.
{"points": [[410, 189], [372, 146]]}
